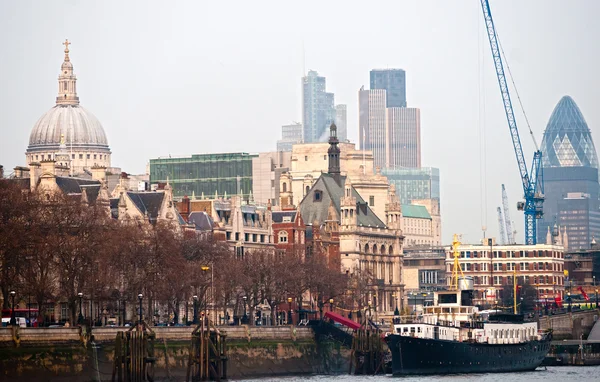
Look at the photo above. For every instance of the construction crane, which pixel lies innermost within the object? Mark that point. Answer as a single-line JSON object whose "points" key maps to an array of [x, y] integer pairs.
{"points": [[533, 187], [510, 234], [501, 226]]}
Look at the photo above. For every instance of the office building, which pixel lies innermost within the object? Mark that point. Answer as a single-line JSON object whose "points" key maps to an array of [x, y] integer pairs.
{"points": [[205, 174], [414, 183], [318, 108], [393, 81], [493, 267], [341, 122], [290, 135], [393, 134], [266, 173], [571, 185]]}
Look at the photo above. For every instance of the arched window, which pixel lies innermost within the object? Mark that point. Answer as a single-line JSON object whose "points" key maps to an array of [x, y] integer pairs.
{"points": [[284, 187], [366, 248], [382, 249], [391, 251], [307, 189], [283, 237]]}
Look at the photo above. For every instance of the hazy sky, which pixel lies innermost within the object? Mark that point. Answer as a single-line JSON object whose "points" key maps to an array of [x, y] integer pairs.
{"points": [[182, 77]]}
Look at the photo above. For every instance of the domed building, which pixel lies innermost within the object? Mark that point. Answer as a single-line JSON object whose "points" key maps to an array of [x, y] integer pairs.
{"points": [[69, 128], [571, 185]]}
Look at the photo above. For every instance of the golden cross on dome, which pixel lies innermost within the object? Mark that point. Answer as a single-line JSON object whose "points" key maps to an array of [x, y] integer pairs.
{"points": [[66, 44]]}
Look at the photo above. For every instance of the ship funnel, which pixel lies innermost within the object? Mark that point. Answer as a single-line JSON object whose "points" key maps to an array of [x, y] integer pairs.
{"points": [[465, 283]]}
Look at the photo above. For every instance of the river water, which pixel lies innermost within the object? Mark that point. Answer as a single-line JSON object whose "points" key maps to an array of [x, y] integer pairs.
{"points": [[561, 374]]}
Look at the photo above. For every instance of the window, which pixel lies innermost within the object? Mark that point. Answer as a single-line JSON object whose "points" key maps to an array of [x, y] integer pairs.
{"points": [[88, 156], [318, 196], [94, 156], [307, 190], [80, 156], [283, 236], [371, 201], [72, 156], [324, 157], [306, 158], [284, 187]]}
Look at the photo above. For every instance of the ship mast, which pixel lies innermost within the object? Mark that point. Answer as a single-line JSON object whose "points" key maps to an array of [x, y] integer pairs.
{"points": [[456, 268]]}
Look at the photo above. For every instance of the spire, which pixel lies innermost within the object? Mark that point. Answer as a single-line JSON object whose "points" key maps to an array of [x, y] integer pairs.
{"points": [[333, 152], [67, 81]]}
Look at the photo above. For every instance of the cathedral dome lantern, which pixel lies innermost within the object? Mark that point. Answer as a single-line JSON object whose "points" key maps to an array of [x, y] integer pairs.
{"points": [[69, 123]]}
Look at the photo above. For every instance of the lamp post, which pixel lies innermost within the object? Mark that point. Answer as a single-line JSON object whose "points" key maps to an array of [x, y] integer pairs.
{"points": [[13, 318], [521, 305], [569, 297], [537, 310], [195, 309], [290, 321], [414, 294], [245, 317], [140, 297], [331, 305], [80, 318]]}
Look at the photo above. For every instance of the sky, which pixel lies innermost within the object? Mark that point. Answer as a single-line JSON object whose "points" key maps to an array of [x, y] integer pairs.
{"points": [[183, 77]]}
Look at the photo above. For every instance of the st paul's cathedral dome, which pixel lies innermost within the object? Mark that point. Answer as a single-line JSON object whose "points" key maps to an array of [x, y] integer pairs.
{"points": [[69, 127]]}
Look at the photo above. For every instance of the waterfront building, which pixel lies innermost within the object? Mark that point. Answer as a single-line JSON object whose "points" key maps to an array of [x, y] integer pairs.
{"points": [[418, 227], [341, 121], [392, 133], [493, 267], [393, 81], [414, 183], [70, 125], [368, 245], [290, 135], [205, 174], [583, 266], [571, 187], [433, 209], [318, 110]]}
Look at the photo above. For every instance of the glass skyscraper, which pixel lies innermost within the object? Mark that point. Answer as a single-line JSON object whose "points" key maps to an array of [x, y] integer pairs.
{"points": [[393, 81], [414, 183], [571, 183], [318, 108]]}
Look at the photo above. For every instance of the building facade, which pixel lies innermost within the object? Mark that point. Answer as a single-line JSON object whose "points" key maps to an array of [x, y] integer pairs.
{"points": [[266, 173], [493, 267], [393, 81], [68, 124], [417, 227], [368, 246], [393, 134], [424, 269], [571, 185], [414, 183], [290, 135], [318, 108], [205, 174]]}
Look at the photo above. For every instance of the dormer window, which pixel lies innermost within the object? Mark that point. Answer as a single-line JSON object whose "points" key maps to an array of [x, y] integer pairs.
{"points": [[318, 195]]}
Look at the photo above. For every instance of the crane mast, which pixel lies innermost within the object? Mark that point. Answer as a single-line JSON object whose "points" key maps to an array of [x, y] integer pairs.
{"points": [[532, 180], [510, 234], [501, 226]]}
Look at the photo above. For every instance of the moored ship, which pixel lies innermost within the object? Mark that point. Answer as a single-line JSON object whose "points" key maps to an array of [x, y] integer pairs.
{"points": [[453, 336]]}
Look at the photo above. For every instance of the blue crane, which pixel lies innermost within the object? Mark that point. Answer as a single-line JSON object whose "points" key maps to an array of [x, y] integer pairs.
{"points": [[533, 186]]}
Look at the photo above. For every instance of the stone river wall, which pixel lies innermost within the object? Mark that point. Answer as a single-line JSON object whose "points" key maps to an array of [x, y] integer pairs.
{"points": [[71, 354]]}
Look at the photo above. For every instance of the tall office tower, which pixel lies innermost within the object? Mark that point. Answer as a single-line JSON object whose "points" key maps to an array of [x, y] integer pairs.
{"points": [[341, 122], [372, 123], [570, 178], [393, 81], [393, 134], [290, 135], [318, 108]]}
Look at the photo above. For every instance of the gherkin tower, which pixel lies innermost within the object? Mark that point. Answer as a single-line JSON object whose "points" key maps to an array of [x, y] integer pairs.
{"points": [[570, 178]]}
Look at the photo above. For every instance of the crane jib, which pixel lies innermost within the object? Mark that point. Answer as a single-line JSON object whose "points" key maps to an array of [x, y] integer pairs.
{"points": [[532, 180]]}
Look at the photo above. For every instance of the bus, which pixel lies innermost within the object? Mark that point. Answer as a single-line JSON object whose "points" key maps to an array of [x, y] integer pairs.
{"points": [[23, 316]]}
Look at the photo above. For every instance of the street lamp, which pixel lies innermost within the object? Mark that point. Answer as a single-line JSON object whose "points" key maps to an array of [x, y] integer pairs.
{"points": [[80, 318], [569, 297], [140, 297], [245, 317], [290, 321], [13, 318], [521, 305], [331, 305], [596, 298], [195, 309], [414, 294]]}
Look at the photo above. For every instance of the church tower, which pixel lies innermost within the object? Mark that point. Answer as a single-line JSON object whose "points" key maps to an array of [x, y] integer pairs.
{"points": [[334, 153], [348, 210], [286, 198], [67, 81]]}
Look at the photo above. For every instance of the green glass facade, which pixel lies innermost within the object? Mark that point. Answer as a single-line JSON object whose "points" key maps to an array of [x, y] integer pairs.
{"points": [[414, 183], [205, 173]]}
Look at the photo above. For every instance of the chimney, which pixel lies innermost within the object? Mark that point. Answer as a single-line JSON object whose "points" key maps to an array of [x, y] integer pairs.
{"points": [[99, 173], [184, 208], [47, 167], [34, 175]]}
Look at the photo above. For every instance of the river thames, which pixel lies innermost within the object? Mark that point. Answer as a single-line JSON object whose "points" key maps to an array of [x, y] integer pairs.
{"points": [[562, 373]]}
